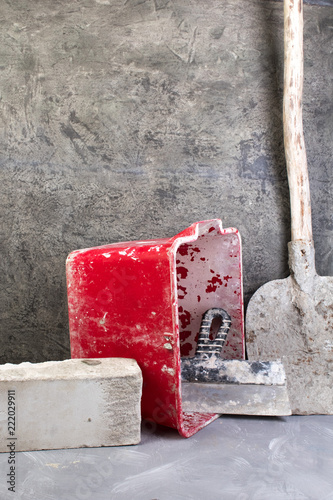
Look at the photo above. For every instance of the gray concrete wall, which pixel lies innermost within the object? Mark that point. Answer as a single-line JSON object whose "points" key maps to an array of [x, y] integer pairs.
{"points": [[132, 119]]}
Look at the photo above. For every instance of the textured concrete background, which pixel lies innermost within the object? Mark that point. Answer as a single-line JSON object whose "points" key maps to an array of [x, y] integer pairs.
{"points": [[132, 119]]}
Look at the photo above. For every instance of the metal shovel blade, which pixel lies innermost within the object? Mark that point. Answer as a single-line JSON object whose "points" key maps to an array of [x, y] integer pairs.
{"points": [[292, 319]]}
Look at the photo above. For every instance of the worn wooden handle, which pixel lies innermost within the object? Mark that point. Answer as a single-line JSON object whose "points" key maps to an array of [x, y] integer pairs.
{"points": [[294, 145]]}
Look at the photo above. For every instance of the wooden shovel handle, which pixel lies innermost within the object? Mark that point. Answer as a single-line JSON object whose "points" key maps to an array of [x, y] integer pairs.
{"points": [[294, 145]]}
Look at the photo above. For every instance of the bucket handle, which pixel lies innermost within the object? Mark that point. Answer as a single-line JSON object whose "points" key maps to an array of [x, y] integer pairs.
{"points": [[205, 345]]}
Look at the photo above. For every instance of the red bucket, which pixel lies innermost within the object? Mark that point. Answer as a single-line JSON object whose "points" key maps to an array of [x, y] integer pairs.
{"points": [[145, 300]]}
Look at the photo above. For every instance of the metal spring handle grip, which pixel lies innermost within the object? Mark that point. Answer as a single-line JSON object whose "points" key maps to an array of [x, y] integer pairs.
{"points": [[205, 345]]}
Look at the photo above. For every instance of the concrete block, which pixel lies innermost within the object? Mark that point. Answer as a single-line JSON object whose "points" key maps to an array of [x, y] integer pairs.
{"points": [[70, 404]]}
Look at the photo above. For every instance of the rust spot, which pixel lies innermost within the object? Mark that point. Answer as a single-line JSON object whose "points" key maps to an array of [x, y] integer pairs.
{"points": [[299, 141], [250, 337], [300, 3]]}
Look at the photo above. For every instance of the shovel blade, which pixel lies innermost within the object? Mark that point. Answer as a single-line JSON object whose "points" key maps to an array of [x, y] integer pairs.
{"points": [[292, 319]]}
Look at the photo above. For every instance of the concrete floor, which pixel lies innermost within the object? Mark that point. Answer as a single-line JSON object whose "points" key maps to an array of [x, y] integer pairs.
{"points": [[234, 458]]}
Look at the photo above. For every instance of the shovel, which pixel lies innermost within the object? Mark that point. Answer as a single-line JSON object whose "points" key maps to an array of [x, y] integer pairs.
{"points": [[292, 319]]}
